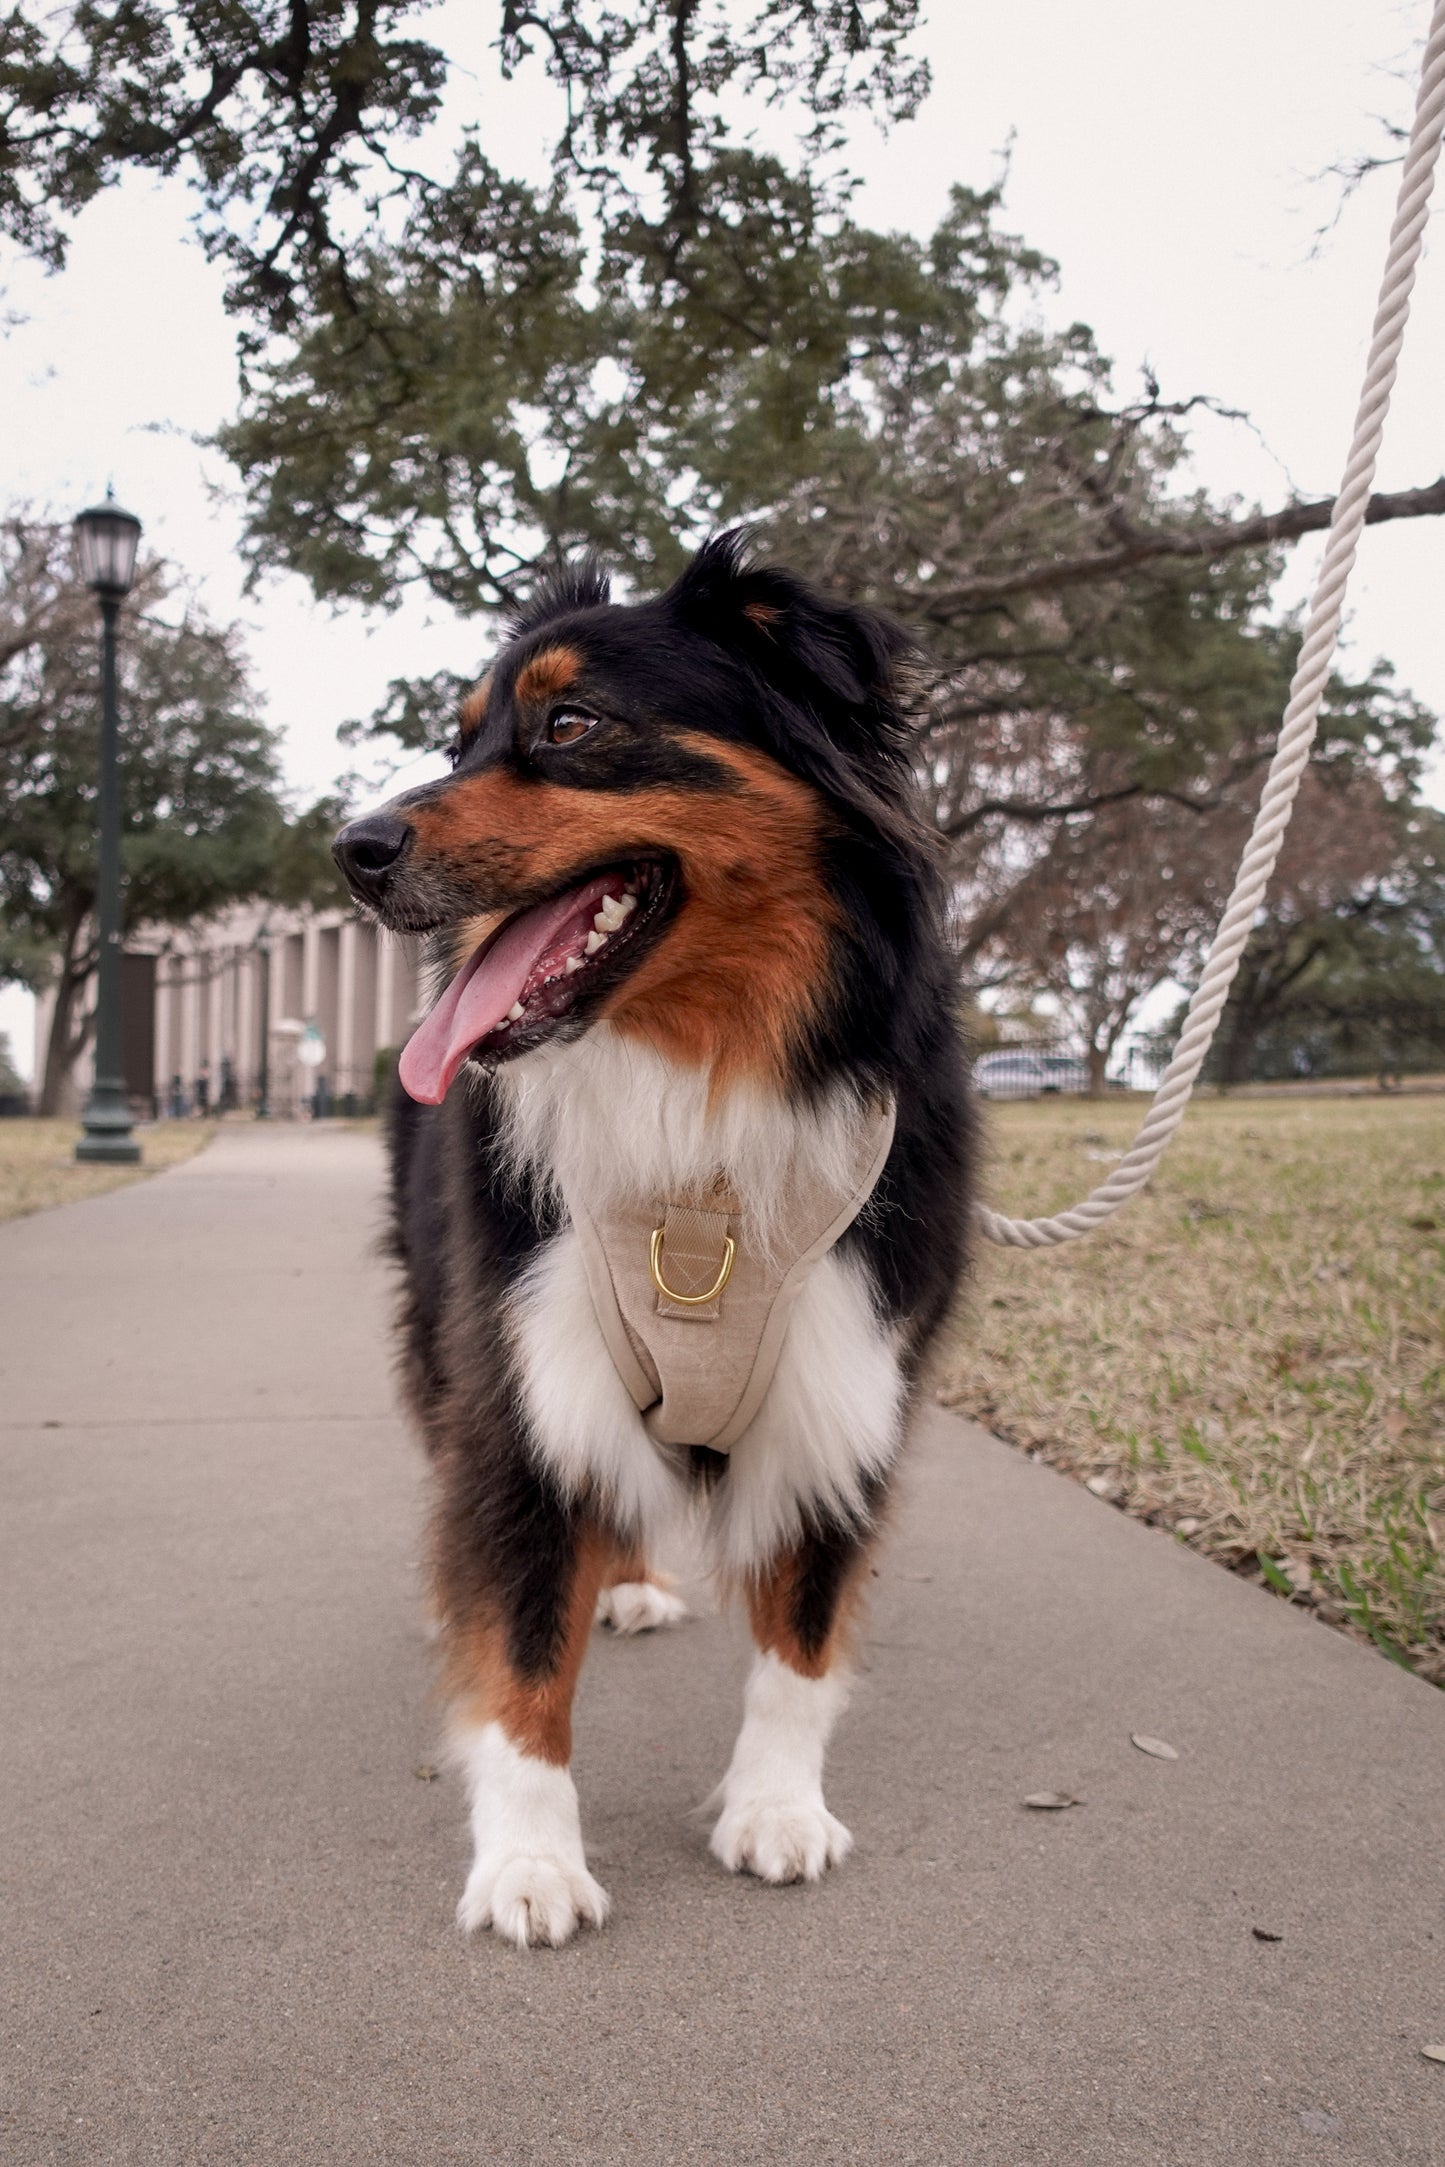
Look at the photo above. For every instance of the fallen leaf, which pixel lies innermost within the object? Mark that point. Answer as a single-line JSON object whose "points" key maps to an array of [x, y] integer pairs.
{"points": [[1262, 1933], [1434, 2053], [1051, 1801], [1188, 1526], [424, 1774], [1154, 1746]]}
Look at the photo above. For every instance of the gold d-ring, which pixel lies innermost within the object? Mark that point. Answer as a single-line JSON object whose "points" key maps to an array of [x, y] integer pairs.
{"points": [[689, 1301]]}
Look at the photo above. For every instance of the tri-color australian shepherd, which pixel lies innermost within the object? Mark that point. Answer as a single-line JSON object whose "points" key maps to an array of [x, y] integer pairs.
{"points": [[696, 923]]}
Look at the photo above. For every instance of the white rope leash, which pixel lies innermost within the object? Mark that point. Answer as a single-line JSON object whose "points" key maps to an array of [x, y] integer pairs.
{"points": [[1301, 716]]}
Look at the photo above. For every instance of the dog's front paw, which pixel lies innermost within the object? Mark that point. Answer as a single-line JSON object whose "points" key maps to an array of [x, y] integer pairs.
{"points": [[639, 1606], [780, 1840], [531, 1899]]}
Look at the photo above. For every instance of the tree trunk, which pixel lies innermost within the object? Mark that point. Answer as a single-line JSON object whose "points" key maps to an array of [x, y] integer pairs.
{"points": [[1096, 1060], [67, 1039], [1236, 1055]]}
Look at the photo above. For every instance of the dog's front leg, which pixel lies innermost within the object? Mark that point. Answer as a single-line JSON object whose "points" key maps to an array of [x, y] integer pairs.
{"points": [[512, 1660], [773, 1821]]}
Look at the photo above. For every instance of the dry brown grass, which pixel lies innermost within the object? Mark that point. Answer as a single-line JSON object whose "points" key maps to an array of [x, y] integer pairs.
{"points": [[1252, 1353], [38, 1166]]}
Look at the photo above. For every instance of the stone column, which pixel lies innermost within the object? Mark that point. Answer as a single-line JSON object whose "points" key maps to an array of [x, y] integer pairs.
{"points": [[349, 1051], [165, 1000], [248, 1024], [363, 1041], [310, 970]]}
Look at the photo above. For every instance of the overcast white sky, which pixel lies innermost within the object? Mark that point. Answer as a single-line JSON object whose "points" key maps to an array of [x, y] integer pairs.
{"points": [[1168, 156]]}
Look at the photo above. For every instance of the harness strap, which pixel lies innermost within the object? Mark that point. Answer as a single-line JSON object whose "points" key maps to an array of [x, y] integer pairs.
{"points": [[693, 1303]]}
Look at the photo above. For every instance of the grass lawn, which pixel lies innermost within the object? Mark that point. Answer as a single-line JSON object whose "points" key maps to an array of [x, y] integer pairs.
{"points": [[38, 1166], [1252, 1353]]}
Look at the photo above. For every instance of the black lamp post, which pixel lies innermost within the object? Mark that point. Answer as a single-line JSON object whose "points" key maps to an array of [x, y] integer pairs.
{"points": [[263, 1080], [105, 546]]}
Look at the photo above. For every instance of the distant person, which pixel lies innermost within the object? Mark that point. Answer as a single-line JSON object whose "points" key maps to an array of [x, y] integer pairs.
{"points": [[203, 1090], [229, 1099], [178, 1099]]}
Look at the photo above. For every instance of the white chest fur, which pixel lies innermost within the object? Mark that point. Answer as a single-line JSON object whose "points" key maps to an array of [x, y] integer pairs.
{"points": [[614, 1121]]}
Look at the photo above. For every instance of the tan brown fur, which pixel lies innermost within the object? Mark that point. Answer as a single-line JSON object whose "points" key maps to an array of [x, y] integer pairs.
{"points": [[535, 1713], [547, 675], [772, 1607], [629, 1568], [736, 977], [473, 711], [627, 1565]]}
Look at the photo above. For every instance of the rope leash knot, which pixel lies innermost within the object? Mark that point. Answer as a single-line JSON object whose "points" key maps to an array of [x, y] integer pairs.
{"points": [[1301, 716]]}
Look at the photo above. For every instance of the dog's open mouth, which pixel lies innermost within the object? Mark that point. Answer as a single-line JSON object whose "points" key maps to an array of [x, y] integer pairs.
{"points": [[533, 969]]}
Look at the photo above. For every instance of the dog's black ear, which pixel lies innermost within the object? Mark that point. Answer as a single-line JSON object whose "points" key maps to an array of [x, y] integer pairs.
{"points": [[833, 687], [842, 661], [580, 585]]}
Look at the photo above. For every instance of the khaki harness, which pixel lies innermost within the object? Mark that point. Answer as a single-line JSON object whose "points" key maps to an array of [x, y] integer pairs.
{"points": [[694, 1306]]}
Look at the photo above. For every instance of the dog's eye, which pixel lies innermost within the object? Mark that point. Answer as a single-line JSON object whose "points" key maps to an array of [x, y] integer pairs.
{"points": [[566, 724]]}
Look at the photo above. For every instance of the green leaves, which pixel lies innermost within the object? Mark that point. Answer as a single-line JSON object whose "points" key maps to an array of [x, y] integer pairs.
{"points": [[201, 818], [276, 112]]}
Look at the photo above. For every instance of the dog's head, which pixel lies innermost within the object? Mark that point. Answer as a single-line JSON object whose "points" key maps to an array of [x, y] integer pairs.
{"points": [[689, 816]]}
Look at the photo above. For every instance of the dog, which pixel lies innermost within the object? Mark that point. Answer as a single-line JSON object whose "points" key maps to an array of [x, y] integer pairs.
{"points": [[697, 925]]}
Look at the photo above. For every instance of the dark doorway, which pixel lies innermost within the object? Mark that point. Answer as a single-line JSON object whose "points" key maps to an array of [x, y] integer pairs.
{"points": [[138, 1028]]}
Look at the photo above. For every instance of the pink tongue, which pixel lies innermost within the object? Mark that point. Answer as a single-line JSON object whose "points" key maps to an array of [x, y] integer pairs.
{"points": [[482, 992]]}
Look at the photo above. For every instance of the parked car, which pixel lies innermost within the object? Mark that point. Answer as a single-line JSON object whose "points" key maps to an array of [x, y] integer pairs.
{"points": [[1064, 1072], [1025, 1072]]}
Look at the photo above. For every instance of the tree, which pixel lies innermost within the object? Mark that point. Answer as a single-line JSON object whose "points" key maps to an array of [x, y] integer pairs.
{"points": [[301, 125], [1125, 891], [202, 822], [1097, 638], [453, 378], [1348, 958], [12, 1084], [1107, 914]]}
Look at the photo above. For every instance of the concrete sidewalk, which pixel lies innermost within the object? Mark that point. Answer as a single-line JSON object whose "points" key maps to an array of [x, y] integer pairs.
{"points": [[228, 1894]]}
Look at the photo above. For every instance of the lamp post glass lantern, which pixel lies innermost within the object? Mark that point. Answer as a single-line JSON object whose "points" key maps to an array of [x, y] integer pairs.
{"points": [[106, 539], [105, 548]]}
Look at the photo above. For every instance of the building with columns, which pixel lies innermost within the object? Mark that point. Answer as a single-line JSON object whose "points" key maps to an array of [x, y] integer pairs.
{"points": [[194, 998]]}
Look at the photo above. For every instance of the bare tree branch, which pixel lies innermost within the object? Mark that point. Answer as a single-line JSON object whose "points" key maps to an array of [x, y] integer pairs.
{"points": [[1203, 544]]}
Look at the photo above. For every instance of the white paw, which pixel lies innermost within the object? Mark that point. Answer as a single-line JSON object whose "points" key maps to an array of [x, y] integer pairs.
{"points": [[780, 1839], [639, 1606], [531, 1899]]}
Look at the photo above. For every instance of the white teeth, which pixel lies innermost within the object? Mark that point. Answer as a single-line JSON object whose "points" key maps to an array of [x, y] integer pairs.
{"points": [[628, 904], [595, 941], [514, 1011], [611, 914], [573, 963]]}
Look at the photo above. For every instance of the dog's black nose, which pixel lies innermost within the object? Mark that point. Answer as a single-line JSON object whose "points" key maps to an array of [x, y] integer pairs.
{"points": [[367, 851]]}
